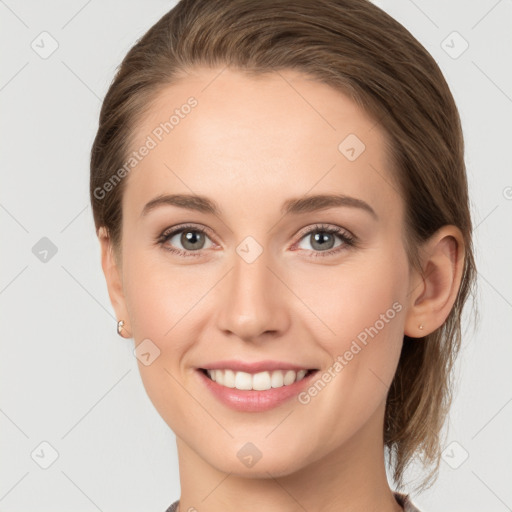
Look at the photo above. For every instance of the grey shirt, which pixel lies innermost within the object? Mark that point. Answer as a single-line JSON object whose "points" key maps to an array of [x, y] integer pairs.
{"points": [[402, 499]]}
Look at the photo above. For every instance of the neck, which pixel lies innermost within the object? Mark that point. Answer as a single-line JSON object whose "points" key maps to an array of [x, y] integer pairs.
{"points": [[350, 478]]}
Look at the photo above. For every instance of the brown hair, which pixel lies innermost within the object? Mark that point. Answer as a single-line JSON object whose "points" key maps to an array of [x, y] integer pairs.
{"points": [[357, 48]]}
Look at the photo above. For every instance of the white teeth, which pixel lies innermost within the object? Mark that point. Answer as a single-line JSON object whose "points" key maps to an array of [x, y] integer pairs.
{"points": [[219, 377], [301, 374], [289, 377], [277, 379], [242, 380], [257, 381], [229, 378]]}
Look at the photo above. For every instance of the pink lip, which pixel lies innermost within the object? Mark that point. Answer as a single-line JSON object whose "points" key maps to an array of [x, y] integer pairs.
{"points": [[252, 400], [258, 366]]}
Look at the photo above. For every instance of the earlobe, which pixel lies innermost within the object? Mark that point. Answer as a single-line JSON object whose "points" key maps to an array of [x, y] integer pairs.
{"points": [[434, 292], [113, 277]]}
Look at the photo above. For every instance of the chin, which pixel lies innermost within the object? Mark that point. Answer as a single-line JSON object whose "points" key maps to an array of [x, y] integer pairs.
{"points": [[249, 461]]}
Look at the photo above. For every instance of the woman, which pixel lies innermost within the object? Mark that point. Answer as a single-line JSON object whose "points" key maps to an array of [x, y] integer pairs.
{"points": [[281, 200]]}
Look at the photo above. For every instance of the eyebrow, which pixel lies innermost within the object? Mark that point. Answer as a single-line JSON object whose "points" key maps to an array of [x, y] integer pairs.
{"points": [[295, 206]]}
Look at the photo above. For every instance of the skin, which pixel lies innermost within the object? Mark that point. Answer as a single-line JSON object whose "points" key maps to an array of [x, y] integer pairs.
{"points": [[250, 144]]}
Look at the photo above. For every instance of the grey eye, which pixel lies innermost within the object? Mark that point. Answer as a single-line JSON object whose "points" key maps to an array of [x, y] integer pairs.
{"points": [[320, 240], [190, 239]]}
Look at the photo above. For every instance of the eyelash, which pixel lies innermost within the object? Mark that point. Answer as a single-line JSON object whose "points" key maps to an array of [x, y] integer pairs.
{"points": [[347, 239]]}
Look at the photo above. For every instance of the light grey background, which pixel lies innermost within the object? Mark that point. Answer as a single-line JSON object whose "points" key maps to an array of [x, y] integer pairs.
{"points": [[67, 379]]}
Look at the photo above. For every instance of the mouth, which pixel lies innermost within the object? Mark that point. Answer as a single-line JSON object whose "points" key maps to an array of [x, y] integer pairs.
{"points": [[260, 381], [259, 391]]}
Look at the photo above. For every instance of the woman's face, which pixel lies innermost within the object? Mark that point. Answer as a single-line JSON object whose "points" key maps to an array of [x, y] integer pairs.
{"points": [[266, 282]]}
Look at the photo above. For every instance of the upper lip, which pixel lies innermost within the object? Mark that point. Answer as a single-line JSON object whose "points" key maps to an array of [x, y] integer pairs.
{"points": [[254, 367]]}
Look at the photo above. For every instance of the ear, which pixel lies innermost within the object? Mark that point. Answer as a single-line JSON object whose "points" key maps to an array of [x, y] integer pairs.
{"points": [[433, 292], [113, 275]]}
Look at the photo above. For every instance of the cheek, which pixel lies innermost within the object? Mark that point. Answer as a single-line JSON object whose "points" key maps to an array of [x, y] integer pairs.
{"points": [[361, 306], [159, 295], [166, 304], [162, 302], [352, 297]]}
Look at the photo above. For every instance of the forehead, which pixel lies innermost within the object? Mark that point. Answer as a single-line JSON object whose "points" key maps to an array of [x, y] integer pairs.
{"points": [[282, 133]]}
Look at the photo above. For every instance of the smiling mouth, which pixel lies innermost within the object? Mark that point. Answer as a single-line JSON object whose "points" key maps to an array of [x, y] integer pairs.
{"points": [[260, 381]]}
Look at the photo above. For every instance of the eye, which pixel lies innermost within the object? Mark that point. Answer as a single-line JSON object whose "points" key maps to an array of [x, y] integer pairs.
{"points": [[191, 238], [322, 239]]}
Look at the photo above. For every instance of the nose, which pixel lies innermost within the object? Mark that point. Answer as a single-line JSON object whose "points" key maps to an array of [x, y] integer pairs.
{"points": [[254, 302]]}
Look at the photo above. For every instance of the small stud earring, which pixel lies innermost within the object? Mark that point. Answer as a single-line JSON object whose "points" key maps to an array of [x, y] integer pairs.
{"points": [[120, 326], [421, 326]]}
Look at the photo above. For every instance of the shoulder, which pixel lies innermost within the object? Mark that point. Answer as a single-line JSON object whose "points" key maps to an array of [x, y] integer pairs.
{"points": [[402, 499], [405, 502], [173, 507]]}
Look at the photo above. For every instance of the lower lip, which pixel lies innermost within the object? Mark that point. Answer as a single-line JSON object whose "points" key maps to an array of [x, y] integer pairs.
{"points": [[251, 400]]}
